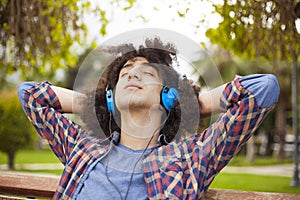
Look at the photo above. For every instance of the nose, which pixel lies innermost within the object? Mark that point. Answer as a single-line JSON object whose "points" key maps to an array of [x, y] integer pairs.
{"points": [[134, 73]]}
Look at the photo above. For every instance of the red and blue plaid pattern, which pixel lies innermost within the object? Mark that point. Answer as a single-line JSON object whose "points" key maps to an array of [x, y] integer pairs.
{"points": [[185, 170], [176, 171]]}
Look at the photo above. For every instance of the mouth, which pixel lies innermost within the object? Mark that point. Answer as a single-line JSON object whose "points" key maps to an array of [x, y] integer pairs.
{"points": [[132, 86]]}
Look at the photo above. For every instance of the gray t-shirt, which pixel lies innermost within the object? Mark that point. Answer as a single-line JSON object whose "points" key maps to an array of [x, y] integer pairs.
{"points": [[111, 176]]}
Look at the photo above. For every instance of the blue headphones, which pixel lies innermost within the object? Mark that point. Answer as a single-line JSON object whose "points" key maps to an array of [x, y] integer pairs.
{"points": [[110, 101], [168, 98]]}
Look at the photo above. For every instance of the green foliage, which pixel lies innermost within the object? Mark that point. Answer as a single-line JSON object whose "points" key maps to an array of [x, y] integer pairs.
{"points": [[104, 21], [36, 36], [16, 132], [131, 3], [257, 28]]}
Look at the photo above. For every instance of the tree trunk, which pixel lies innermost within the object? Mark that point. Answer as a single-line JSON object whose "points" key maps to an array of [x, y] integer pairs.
{"points": [[250, 150], [39, 144], [11, 160], [270, 142], [280, 126]]}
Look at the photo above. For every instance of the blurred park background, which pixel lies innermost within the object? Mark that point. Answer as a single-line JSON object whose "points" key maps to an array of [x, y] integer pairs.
{"points": [[47, 40]]}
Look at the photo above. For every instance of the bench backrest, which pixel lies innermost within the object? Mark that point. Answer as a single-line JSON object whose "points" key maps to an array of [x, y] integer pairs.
{"points": [[27, 185]]}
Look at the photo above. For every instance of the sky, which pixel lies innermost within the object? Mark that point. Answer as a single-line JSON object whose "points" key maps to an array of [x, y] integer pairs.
{"points": [[158, 14], [155, 14]]}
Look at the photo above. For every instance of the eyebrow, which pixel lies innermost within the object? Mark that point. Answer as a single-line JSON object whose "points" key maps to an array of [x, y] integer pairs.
{"points": [[127, 65], [131, 64]]}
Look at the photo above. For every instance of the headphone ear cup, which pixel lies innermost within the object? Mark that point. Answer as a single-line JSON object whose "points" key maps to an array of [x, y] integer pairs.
{"points": [[110, 101], [168, 97]]}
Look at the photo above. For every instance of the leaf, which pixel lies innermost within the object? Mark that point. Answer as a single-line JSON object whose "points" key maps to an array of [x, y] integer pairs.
{"points": [[131, 3], [35, 38]]}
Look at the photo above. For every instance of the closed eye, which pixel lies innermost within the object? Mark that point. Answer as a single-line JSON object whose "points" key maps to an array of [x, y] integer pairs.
{"points": [[148, 73], [124, 71], [123, 74]]}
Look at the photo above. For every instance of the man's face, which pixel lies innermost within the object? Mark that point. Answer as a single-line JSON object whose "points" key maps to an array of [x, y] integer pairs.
{"points": [[139, 86]]}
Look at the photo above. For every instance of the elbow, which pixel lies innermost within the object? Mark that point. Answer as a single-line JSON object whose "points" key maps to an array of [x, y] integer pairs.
{"points": [[21, 91], [264, 87], [272, 90], [23, 87]]}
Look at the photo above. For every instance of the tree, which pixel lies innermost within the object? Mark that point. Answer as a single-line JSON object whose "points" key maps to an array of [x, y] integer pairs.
{"points": [[264, 29], [257, 28], [36, 36], [39, 37], [16, 132]]}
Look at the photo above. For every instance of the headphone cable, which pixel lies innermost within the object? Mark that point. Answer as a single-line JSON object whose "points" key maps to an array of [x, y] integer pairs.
{"points": [[131, 177]]}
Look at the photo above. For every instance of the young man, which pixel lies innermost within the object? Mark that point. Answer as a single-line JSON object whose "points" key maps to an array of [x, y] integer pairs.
{"points": [[150, 114]]}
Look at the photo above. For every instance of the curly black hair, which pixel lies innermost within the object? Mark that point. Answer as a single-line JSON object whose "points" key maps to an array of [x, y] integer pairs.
{"points": [[184, 118]]}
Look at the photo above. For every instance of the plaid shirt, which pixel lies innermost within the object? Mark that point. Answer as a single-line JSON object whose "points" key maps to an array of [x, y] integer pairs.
{"points": [[176, 171]]}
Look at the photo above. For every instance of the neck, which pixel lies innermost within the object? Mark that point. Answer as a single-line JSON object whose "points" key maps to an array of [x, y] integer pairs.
{"points": [[139, 127]]}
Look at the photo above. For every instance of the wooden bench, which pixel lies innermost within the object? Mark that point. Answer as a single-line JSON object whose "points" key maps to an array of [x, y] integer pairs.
{"points": [[22, 186], [15, 186]]}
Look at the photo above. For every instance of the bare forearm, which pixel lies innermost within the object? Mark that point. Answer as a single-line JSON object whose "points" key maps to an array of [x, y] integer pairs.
{"points": [[69, 99], [211, 101]]}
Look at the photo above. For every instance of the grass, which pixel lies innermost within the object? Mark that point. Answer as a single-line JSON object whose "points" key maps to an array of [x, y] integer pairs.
{"points": [[241, 161], [250, 182], [31, 156]]}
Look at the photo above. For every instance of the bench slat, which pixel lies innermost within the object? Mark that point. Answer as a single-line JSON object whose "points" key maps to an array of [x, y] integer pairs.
{"points": [[28, 185], [217, 194]]}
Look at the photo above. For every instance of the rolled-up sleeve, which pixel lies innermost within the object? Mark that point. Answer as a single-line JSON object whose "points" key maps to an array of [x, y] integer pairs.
{"points": [[264, 87], [247, 100]]}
